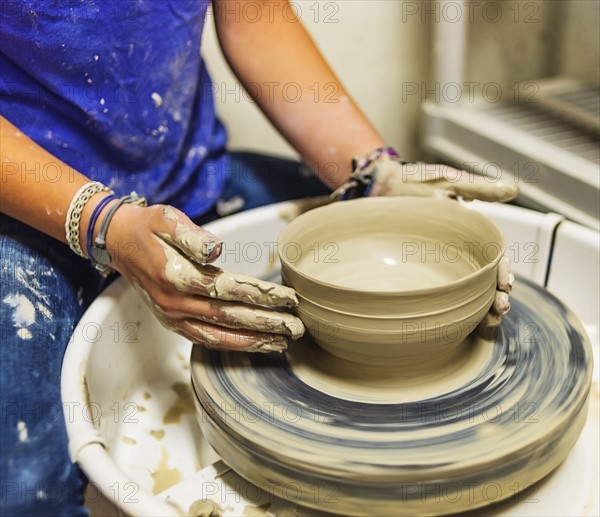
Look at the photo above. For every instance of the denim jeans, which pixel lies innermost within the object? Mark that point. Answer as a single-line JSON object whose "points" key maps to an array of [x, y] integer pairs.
{"points": [[45, 291]]}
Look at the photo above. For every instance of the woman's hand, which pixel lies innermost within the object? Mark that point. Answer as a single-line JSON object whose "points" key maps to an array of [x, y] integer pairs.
{"points": [[392, 177], [168, 265], [425, 179]]}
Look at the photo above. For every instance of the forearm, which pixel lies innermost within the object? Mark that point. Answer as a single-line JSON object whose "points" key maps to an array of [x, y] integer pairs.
{"points": [[282, 69], [36, 187]]}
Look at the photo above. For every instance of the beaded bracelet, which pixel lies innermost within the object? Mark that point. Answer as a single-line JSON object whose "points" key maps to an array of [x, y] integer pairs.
{"points": [[76, 207], [364, 173]]}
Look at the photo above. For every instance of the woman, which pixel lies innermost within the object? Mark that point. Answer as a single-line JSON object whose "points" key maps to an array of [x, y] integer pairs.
{"points": [[102, 101]]}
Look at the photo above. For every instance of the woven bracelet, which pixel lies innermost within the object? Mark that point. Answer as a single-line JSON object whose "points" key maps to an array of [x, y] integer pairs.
{"points": [[73, 220], [364, 174]]}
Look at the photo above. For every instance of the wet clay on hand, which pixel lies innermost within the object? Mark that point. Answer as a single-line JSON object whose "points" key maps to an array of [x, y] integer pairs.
{"points": [[435, 180], [204, 303]]}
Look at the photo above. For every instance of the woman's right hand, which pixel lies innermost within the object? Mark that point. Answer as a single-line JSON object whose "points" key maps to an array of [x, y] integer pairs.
{"points": [[166, 258]]}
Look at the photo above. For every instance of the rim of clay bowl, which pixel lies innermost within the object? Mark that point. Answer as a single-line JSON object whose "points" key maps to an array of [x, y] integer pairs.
{"points": [[389, 200]]}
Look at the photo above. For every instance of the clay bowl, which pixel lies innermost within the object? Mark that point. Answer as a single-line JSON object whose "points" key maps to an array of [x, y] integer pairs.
{"points": [[377, 277]]}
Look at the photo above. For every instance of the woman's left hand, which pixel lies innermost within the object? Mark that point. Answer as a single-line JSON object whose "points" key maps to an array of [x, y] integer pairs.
{"points": [[384, 174]]}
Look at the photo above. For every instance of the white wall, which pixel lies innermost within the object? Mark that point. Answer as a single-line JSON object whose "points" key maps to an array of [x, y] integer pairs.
{"points": [[579, 52], [373, 45], [519, 41]]}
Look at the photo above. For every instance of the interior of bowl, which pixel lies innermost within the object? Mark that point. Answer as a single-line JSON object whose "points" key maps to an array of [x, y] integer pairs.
{"points": [[388, 245]]}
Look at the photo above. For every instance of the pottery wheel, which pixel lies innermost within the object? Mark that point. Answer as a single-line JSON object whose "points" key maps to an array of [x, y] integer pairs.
{"points": [[327, 434]]}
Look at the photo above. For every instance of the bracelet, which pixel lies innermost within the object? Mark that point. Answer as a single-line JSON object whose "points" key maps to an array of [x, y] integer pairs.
{"points": [[93, 218], [364, 173], [99, 254], [76, 207], [363, 163]]}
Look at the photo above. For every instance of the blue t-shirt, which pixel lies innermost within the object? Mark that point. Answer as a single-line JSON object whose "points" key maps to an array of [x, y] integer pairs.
{"points": [[118, 91]]}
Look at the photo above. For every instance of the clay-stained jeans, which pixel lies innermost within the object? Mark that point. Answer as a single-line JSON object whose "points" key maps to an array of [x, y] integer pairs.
{"points": [[45, 290]]}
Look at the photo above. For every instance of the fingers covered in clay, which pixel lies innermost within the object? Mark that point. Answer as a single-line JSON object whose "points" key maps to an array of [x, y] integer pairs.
{"points": [[200, 301], [216, 337], [193, 242], [239, 316], [505, 283], [471, 186], [211, 281], [423, 179], [501, 303], [225, 325], [506, 277]]}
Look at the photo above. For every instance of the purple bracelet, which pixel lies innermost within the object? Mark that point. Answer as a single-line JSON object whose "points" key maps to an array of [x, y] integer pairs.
{"points": [[360, 164], [362, 181], [93, 218]]}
